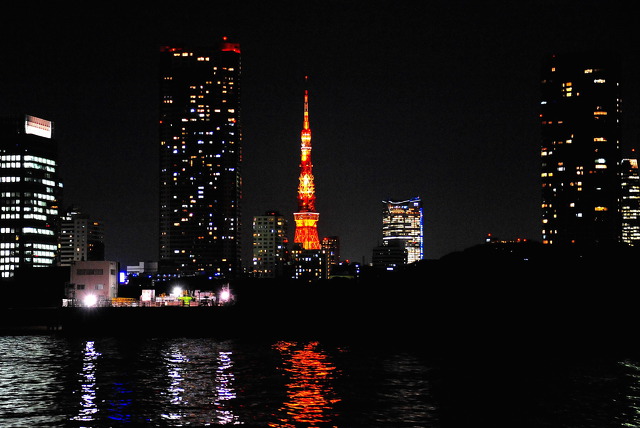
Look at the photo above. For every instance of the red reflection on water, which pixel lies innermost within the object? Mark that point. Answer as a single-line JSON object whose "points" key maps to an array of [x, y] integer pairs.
{"points": [[310, 394]]}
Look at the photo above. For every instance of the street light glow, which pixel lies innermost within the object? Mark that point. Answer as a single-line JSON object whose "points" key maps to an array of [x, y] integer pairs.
{"points": [[90, 300]]}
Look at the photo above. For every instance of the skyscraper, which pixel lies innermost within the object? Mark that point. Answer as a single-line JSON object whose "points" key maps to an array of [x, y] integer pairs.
{"points": [[402, 226], [269, 245], [630, 202], [200, 158], [306, 218], [581, 150], [30, 192], [81, 238]]}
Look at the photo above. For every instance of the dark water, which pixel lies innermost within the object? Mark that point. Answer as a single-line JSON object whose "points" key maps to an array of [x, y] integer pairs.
{"points": [[61, 381]]}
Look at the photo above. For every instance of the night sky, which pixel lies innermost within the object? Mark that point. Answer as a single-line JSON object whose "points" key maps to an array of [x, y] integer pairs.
{"points": [[437, 99]]}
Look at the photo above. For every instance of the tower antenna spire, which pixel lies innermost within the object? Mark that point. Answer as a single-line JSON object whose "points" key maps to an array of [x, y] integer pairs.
{"points": [[306, 218], [306, 104]]}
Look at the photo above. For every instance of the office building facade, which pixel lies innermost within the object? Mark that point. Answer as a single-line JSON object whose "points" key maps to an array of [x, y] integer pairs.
{"points": [[581, 149], [269, 245], [200, 160], [402, 226], [30, 193], [81, 238]]}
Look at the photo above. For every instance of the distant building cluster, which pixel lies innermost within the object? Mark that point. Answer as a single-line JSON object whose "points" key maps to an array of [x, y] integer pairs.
{"points": [[590, 188]]}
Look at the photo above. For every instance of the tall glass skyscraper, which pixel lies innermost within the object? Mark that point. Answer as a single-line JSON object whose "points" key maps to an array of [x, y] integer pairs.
{"points": [[402, 226], [200, 157], [581, 149], [30, 192]]}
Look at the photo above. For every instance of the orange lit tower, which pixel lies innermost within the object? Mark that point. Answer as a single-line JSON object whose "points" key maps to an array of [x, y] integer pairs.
{"points": [[306, 218]]}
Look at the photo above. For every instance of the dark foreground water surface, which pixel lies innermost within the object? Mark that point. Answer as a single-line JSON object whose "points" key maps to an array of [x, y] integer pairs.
{"points": [[49, 380]]}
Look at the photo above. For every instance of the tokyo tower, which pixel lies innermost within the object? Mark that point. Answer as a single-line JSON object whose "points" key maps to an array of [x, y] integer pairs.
{"points": [[306, 218]]}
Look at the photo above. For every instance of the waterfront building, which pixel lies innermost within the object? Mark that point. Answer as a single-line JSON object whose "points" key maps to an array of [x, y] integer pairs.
{"points": [[143, 268], [93, 283], [30, 192], [402, 227], [200, 160], [269, 245], [581, 149], [306, 219], [81, 238]]}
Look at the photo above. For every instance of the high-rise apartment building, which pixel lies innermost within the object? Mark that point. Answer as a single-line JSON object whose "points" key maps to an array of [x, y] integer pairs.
{"points": [[630, 202], [200, 157], [269, 245], [402, 226], [331, 245], [30, 192], [581, 149], [81, 238]]}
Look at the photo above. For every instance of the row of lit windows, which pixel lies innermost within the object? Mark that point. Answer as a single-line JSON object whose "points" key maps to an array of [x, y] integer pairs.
{"points": [[27, 158], [18, 208], [5, 216], [34, 165], [37, 231], [39, 246]]}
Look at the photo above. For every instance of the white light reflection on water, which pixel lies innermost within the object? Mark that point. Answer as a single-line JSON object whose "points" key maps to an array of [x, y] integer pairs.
{"points": [[224, 389], [31, 381], [630, 417], [88, 405], [175, 361]]}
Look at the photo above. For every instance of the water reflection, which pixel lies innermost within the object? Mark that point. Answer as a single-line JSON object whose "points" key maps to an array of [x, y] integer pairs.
{"points": [[199, 384], [88, 405], [119, 408], [225, 390], [310, 394], [48, 381], [174, 362], [630, 415]]}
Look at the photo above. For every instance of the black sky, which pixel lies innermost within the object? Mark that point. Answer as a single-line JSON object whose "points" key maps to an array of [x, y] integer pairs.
{"points": [[437, 99]]}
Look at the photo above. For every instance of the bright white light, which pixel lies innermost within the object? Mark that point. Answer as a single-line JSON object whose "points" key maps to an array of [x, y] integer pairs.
{"points": [[177, 291], [225, 295], [90, 300]]}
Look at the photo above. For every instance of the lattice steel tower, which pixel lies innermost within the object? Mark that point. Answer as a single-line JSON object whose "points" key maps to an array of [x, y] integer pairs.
{"points": [[306, 218]]}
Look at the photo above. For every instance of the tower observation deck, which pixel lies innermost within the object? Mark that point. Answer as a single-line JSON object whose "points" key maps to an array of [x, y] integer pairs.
{"points": [[306, 218]]}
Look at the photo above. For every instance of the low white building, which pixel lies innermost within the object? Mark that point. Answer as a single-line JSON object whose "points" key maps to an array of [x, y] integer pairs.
{"points": [[93, 282]]}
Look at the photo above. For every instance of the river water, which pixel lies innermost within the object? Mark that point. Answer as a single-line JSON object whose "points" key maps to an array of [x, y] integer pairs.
{"points": [[51, 380]]}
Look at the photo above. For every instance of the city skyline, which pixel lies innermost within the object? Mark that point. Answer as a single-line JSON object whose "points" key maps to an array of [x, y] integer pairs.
{"points": [[438, 100]]}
